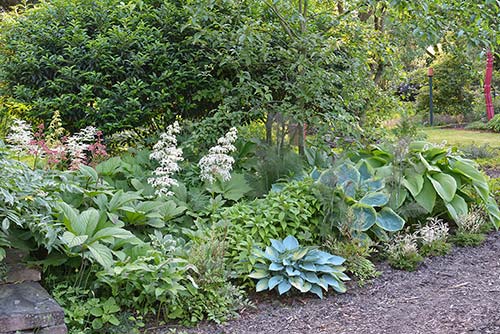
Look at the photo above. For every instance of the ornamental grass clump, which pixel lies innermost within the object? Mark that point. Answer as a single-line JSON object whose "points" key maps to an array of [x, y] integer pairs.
{"points": [[168, 155], [433, 238], [402, 252], [218, 162], [285, 264]]}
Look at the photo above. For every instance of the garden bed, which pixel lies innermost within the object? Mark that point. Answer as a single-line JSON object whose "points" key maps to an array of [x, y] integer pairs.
{"points": [[457, 293]]}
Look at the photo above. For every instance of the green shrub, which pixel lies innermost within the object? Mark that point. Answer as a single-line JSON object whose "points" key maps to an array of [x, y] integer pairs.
{"points": [[285, 264], [356, 254], [494, 123]]}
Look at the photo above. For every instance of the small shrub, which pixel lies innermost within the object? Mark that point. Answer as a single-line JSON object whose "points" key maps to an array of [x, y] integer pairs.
{"points": [[285, 264], [356, 253], [402, 252], [433, 237]]}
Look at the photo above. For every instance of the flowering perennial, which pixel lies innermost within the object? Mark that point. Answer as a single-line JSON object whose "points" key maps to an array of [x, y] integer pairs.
{"points": [[218, 162], [435, 230], [78, 144], [20, 136], [168, 155], [403, 244]]}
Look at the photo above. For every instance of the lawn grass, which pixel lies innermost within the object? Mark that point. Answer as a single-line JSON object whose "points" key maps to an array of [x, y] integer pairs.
{"points": [[459, 137]]}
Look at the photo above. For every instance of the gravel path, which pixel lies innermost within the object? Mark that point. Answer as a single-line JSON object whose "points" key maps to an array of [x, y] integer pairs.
{"points": [[458, 293]]}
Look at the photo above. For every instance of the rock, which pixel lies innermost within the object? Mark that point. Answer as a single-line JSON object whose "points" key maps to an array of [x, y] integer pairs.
{"points": [[28, 308], [16, 271]]}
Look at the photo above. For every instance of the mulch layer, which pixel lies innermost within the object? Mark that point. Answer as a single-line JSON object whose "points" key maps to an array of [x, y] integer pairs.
{"points": [[457, 293]]}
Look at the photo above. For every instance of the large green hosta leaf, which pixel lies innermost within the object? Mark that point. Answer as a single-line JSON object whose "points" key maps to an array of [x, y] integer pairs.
{"points": [[389, 220], [457, 207], [444, 184], [414, 183], [427, 197], [375, 199]]}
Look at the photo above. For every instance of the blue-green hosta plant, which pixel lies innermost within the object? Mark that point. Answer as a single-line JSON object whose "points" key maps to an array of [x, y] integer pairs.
{"points": [[355, 201], [285, 264]]}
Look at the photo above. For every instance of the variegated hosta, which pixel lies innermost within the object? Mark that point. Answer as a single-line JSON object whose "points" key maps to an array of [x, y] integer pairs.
{"points": [[285, 264]]}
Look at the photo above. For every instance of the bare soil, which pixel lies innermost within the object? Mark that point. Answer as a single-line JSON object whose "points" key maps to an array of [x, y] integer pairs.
{"points": [[458, 293]]}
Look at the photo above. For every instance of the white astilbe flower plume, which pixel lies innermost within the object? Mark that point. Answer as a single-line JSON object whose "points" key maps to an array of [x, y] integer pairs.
{"points": [[78, 144], [218, 162], [168, 155], [20, 136]]}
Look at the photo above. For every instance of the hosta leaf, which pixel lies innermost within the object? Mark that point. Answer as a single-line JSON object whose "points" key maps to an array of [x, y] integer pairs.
{"points": [[271, 254], [334, 283], [290, 243], [276, 266], [468, 170], [427, 197], [290, 271], [365, 216], [389, 220], [457, 207], [335, 260], [297, 282], [373, 185], [322, 283], [310, 277], [284, 286], [258, 274], [262, 285], [278, 245], [347, 172], [324, 268], [444, 184], [306, 287], [414, 183], [297, 255], [275, 280], [308, 266], [375, 199], [429, 167], [365, 170], [317, 291]]}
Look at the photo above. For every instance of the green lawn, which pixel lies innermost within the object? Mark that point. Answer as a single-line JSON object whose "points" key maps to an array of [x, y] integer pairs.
{"points": [[462, 137]]}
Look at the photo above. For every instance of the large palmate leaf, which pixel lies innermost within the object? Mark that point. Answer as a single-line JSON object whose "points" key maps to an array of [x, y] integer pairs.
{"points": [[389, 220], [444, 184]]}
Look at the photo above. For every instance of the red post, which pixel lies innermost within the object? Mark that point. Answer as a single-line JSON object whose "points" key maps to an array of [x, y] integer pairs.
{"points": [[487, 86]]}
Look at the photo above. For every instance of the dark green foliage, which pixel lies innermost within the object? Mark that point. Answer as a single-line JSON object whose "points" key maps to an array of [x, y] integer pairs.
{"points": [[356, 254], [409, 261], [435, 248], [468, 239], [494, 123]]}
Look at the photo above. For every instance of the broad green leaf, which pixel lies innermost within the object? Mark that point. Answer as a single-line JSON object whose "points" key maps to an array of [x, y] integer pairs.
{"points": [[290, 243], [89, 218], [114, 232], [365, 216], [297, 282], [101, 254], [414, 183], [444, 184], [365, 170], [467, 169], [70, 216], [457, 207], [389, 220], [72, 240], [336, 260], [427, 197], [299, 254], [233, 189], [310, 277], [278, 245], [428, 166], [262, 285], [347, 172], [375, 199]]}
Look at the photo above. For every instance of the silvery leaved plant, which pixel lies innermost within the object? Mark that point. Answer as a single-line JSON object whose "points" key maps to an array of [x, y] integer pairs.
{"points": [[435, 230], [167, 154], [20, 136], [218, 162]]}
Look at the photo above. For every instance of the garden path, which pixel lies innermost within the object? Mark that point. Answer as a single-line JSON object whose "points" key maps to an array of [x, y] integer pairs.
{"points": [[458, 293]]}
